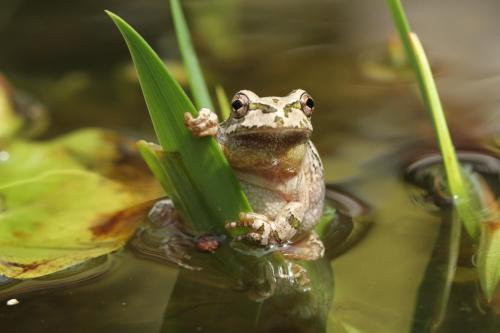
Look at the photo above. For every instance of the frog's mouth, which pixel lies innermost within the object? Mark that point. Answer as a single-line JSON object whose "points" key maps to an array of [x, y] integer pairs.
{"points": [[280, 136]]}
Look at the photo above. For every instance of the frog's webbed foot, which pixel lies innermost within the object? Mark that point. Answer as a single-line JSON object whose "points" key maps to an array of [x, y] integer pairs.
{"points": [[260, 228], [263, 230], [206, 123], [308, 248]]}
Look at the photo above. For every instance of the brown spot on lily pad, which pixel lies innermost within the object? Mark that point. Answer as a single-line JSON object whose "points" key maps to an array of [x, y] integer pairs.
{"points": [[23, 268], [121, 224]]}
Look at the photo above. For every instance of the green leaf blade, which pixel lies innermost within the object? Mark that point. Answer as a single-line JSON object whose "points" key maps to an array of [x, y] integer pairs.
{"points": [[467, 210], [203, 160], [224, 106], [165, 99], [471, 200], [199, 88], [488, 258]]}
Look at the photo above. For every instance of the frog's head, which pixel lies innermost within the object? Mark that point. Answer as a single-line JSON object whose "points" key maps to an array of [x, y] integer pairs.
{"points": [[287, 119]]}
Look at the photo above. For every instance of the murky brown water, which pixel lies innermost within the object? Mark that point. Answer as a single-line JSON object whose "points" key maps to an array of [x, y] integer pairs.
{"points": [[368, 126]]}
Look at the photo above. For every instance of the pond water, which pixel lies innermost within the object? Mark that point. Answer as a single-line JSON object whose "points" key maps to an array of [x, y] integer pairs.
{"points": [[369, 126]]}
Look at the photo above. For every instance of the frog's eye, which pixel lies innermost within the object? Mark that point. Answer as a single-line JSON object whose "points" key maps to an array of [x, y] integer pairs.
{"points": [[307, 104], [240, 105]]}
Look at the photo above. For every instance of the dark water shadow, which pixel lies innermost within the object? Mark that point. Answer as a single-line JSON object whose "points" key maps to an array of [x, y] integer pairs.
{"points": [[445, 301]]}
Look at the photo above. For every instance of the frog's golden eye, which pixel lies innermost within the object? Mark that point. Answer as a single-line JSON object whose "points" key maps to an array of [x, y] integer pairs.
{"points": [[307, 104], [240, 105]]}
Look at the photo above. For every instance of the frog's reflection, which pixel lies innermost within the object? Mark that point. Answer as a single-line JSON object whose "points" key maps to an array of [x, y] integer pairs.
{"points": [[222, 290]]}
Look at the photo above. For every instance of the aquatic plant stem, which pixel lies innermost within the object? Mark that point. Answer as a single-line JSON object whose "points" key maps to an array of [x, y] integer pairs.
{"points": [[199, 88], [468, 209], [225, 107], [470, 195], [454, 175]]}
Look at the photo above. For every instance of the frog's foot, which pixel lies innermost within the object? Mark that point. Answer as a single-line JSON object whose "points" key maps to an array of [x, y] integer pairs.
{"points": [[309, 248], [163, 213], [206, 123], [261, 228]]}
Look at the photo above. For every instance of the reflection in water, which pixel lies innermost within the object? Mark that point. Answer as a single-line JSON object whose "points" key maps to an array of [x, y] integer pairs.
{"points": [[80, 274], [224, 289], [453, 250]]}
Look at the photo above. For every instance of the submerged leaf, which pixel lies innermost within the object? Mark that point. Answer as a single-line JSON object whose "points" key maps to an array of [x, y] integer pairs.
{"points": [[68, 200]]}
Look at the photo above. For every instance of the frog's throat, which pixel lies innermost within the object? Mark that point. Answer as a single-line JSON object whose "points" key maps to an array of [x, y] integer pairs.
{"points": [[269, 138], [273, 161]]}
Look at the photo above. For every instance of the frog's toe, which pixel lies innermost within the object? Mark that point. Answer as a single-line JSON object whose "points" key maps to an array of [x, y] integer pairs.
{"points": [[251, 236], [204, 124], [247, 220], [259, 226]]}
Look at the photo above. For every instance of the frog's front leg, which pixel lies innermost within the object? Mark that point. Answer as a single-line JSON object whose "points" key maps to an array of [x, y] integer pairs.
{"points": [[206, 123], [266, 231]]}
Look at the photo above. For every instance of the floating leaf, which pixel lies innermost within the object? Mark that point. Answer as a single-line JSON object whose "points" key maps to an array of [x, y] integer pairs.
{"points": [[61, 218], [70, 199]]}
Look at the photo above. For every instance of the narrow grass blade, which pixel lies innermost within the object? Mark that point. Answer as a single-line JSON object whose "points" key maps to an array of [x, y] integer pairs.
{"points": [[468, 194], [224, 106], [150, 154], [199, 88], [153, 155], [468, 209], [202, 158]]}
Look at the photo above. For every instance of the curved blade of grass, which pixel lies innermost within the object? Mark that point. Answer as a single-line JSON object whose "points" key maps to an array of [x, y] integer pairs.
{"points": [[202, 158], [466, 202], [456, 183], [469, 201], [224, 106], [169, 170], [199, 88]]}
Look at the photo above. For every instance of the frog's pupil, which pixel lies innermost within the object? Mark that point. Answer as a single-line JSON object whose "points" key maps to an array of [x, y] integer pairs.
{"points": [[310, 103], [236, 104]]}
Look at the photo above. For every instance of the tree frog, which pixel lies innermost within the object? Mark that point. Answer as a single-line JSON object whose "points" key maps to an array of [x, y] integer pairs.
{"points": [[266, 140]]}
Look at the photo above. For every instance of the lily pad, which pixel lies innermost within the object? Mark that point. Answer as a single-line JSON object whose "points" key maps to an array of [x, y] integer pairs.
{"points": [[68, 200]]}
